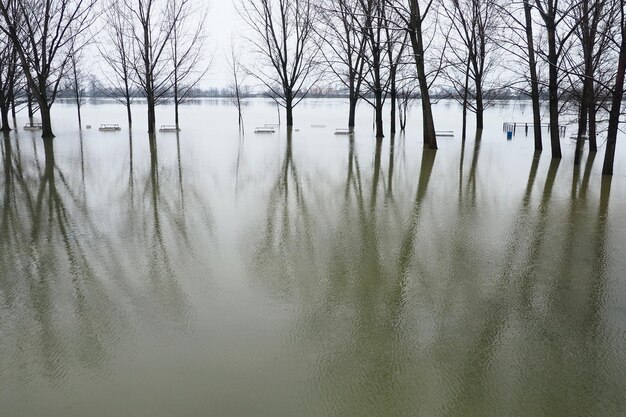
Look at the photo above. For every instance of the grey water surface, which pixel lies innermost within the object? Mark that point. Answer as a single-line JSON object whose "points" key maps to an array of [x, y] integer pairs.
{"points": [[209, 273]]}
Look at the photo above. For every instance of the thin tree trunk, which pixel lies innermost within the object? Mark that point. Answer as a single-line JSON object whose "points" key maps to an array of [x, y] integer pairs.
{"points": [[393, 94], [464, 107], [378, 113], [289, 109], [616, 106], [534, 82], [592, 132], [554, 93], [29, 103], [128, 112], [582, 126]]}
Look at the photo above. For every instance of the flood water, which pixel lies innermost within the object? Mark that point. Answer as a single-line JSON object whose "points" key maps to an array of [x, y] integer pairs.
{"points": [[213, 274]]}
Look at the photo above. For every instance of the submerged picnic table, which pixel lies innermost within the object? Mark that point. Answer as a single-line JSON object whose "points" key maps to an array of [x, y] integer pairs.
{"points": [[169, 128], [33, 126], [109, 127]]}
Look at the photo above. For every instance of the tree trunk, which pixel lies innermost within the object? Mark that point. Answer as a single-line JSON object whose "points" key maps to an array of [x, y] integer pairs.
{"points": [[29, 98], [289, 110], [46, 120], [534, 82], [176, 101], [4, 110], [582, 127], [592, 132], [151, 114], [13, 111], [430, 139], [393, 96], [378, 113], [616, 106], [128, 112], [554, 93], [480, 107], [352, 111]]}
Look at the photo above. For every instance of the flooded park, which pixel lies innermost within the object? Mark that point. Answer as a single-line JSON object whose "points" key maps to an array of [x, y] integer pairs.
{"points": [[303, 273]]}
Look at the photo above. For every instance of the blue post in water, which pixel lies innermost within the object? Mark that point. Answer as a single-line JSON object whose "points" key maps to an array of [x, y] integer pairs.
{"points": [[509, 135]]}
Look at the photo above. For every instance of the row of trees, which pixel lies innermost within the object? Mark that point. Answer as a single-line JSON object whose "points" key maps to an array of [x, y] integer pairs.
{"points": [[151, 47], [383, 52]]}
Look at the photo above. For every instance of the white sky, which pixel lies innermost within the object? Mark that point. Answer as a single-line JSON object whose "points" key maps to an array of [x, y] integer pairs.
{"points": [[223, 24]]}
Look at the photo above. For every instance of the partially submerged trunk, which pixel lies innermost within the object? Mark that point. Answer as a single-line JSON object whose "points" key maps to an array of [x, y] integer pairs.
{"points": [[46, 121], [616, 106], [553, 82], [534, 82]]}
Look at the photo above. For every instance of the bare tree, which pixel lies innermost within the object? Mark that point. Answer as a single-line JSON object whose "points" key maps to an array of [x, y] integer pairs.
{"points": [[475, 24], [346, 45], [151, 24], [187, 47], [553, 14], [396, 44], [117, 53], [413, 15], [618, 91], [407, 87], [374, 26], [9, 73], [237, 78], [76, 82], [284, 41], [43, 34], [595, 21]]}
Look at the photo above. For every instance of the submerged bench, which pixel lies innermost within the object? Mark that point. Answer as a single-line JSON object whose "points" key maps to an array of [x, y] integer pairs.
{"points": [[343, 131], [109, 127], [169, 128], [264, 130], [445, 133], [33, 126]]}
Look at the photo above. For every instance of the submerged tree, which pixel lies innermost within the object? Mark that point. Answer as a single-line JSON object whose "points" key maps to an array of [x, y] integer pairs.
{"points": [[76, 83], [618, 92], [413, 16], [9, 72], [520, 42], [237, 79], [187, 47], [44, 34], [374, 27], [284, 41], [345, 47], [117, 53], [152, 23], [553, 14], [475, 25]]}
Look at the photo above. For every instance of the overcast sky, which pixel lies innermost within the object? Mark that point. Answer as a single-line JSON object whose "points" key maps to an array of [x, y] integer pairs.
{"points": [[223, 24]]}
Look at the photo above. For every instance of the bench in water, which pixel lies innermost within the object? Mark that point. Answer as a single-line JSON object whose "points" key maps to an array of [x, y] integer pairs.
{"points": [[33, 126], [512, 127], [343, 131], [444, 133], [264, 130], [169, 128], [109, 127]]}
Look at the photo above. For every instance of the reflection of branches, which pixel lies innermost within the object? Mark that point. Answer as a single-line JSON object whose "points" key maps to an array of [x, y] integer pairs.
{"points": [[43, 245], [281, 226]]}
